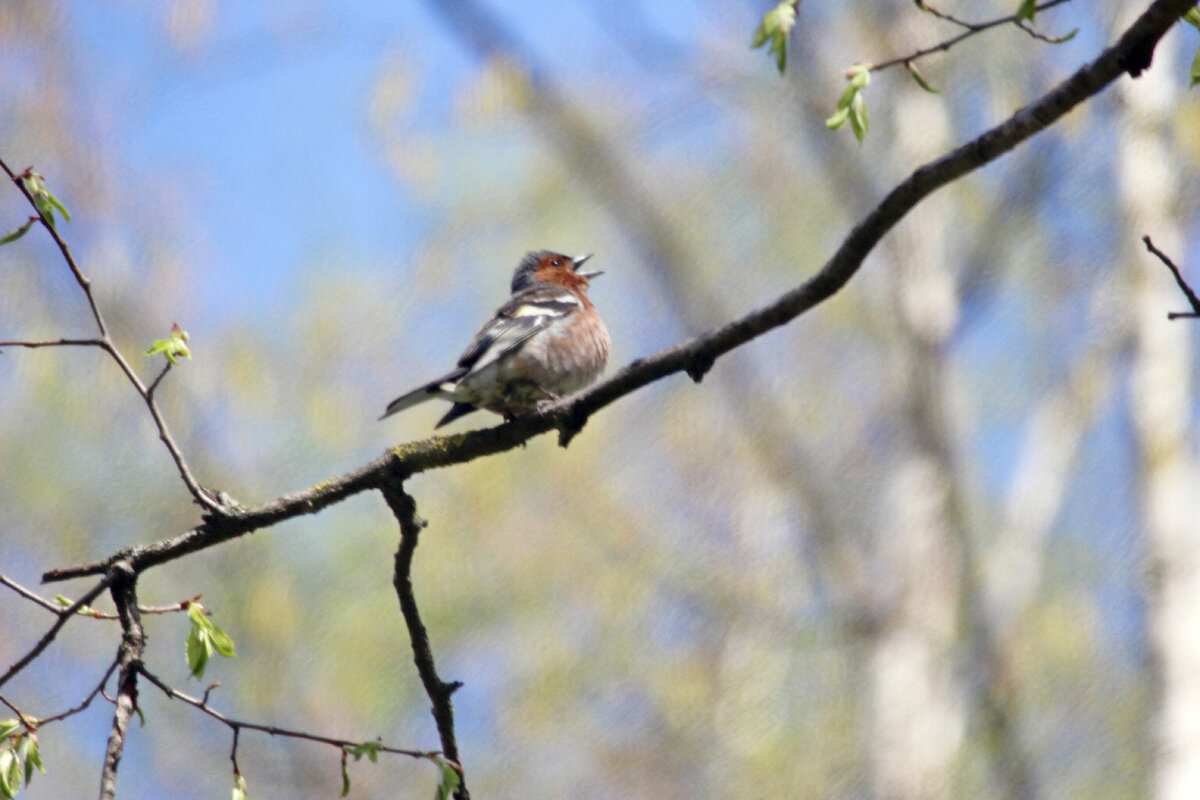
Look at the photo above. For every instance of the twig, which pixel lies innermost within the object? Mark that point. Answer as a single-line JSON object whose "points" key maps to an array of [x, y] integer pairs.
{"points": [[88, 611], [105, 342], [29, 723], [55, 343], [87, 701], [1192, 299], [405, 510], [1130, 51], [67, 613], [129, 661], [970, 29], [235, 724]]}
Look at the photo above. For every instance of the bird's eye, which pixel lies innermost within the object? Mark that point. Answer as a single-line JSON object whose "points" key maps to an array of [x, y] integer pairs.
{"points": [[556, 262]]}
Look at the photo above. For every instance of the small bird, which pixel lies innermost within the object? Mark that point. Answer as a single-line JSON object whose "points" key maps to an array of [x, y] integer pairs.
{"points": [[546, 342]]}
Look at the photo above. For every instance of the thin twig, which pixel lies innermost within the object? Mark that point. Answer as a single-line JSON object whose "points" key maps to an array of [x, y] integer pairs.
{"points": [[105, 342], [970, 29], [88, 611], [55, 343], [405, 510], [129, 661], [1192, 299], [237, 724], [29, 723], [67, 613], [87, 701]]}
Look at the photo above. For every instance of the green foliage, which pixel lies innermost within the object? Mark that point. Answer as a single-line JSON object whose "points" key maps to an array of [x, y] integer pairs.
{"points": [[239, 788], [448, 779], [17, 233], [920, 79], [775, 27], [1192, 17], [203, 640], [1027, 9], [45, 201], [18, 758], [174, 345], [852, 107]]}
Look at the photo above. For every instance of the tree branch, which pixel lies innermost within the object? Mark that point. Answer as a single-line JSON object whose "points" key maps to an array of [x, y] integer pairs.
{"points": [[236, 725], [66, 614], [129, 661], [105, 342], [440, 692], [693, 356], [1193, 301]]}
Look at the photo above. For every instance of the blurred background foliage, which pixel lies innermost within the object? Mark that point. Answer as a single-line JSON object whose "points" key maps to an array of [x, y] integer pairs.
{"points": [[923, 542]]}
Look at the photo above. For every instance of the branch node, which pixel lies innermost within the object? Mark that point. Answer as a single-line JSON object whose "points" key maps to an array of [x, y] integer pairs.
{"points": [[698, 364]]}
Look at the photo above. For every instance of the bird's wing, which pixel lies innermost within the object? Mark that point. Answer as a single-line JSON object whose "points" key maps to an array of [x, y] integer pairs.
{"points": [[517, 321]]}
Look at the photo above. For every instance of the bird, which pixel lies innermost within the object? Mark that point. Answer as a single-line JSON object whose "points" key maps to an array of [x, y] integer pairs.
{"points": [[546, 342]]}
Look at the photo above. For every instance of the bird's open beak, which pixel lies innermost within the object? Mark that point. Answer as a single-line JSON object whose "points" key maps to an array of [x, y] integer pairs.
{"points": [[579, 263]]}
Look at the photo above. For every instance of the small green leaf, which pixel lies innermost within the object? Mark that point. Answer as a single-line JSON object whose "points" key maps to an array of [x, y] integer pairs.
{"points": [[1192, 17], [1195, 70], [28, 753], [1027, 9], [10, 773], [776, 26], [345, 777], [239, 788], [8, 727], [920, 79], [1067, 37], [198, 650], [858, 117], [370, 749], [221, 641], [838, 119], [17, 233], [448, 779], [174, 345], [141, 716]]}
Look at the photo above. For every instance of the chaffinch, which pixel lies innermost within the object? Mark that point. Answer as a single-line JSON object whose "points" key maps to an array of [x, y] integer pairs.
{"points": [[547, 341]]}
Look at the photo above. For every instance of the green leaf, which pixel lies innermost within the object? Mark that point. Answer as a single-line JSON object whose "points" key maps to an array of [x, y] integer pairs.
{"points": [[43, 199], [448, 780], [370, 749], [8, 727], [28, 752], [17, 233], [838, 119], [239, 788], [1027, 9], [920, 79], [10, 773], [1067, 37], [345, 777], [198, 650], [858, 117], [1195, 70], [174, 345], [775, 27], [1192, 17]]}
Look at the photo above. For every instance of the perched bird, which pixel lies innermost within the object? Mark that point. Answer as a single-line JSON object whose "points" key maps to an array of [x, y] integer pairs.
{"points": [[547, 341]]}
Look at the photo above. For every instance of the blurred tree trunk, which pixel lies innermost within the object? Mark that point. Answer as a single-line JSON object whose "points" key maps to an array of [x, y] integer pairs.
{"points": [[919, 716], [1160, 401]]}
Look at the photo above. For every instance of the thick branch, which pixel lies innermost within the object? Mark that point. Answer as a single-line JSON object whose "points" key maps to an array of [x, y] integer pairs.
{"points": [[440, 692], [129, 662], [695, 355]]}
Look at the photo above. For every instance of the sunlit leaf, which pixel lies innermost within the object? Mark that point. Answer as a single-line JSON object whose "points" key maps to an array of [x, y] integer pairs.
{"points": [[1027, 9], [920, 79], [775, 27], [239, 788], [17, 233], [448, 779], [8, 727], [10, 773], [1195, 69]]}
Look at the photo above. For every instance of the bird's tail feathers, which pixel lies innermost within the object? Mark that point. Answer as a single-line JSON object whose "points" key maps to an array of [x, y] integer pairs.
{"points": [[442, 387]]}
